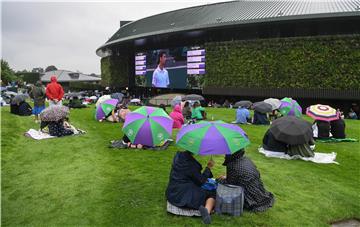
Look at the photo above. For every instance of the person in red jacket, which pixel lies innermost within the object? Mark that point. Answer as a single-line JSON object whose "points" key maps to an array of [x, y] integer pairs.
{"points": [[54, 92]]}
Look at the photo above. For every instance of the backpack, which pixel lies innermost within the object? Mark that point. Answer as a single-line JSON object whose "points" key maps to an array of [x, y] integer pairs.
{"points": [[229, 199]]}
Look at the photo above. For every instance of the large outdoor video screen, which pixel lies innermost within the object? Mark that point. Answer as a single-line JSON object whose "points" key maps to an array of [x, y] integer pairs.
{"points": [[179, 68]]}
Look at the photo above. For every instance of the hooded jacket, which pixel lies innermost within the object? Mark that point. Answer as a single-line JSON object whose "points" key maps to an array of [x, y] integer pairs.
{"points": [[177, 116], [54, 90]]}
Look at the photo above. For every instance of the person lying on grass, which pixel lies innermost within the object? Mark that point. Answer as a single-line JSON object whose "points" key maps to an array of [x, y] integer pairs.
{"points": [[241, 171], [184, 188], [126, 143]]}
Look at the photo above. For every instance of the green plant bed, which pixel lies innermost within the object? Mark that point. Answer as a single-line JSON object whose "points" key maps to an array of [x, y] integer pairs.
{"points": [[79, 181]]}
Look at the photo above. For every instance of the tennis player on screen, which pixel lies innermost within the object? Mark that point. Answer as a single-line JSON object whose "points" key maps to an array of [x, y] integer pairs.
{"points": [[160, 77]]}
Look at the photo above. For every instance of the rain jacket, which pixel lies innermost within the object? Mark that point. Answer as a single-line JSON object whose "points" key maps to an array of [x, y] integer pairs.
{"points": [[184, 188], [38, 94], [54, 90], [177, 116]]}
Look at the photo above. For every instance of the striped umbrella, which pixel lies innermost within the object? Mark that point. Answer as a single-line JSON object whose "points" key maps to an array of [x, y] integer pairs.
{"points": [[105, 108], [210, 138], [289, 107], [322, 112], [148, 126]]}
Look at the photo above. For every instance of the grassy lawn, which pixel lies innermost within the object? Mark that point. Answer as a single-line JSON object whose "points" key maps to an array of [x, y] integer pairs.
{"points": [[79, 181]]}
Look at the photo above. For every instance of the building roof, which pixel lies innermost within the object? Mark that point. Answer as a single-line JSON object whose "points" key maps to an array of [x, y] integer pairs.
{"points": [[68, 76], [233, 13]]}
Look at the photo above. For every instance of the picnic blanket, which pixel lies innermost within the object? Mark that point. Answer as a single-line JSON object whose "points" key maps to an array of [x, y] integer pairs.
{"points": [[322, 158], [37, 134], [181, 211], [334, 140], [40, 135]]}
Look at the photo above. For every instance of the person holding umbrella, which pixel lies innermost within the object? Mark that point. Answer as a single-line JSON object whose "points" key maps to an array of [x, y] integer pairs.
{"points": [[204, 138], [54, 117], [260, 113], [184, 188]]}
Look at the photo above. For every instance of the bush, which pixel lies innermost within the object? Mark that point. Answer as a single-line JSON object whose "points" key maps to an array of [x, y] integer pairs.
{"points": [[326, 62]]}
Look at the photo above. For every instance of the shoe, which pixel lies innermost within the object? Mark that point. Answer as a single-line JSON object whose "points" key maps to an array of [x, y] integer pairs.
{"points": [[206, 218]]}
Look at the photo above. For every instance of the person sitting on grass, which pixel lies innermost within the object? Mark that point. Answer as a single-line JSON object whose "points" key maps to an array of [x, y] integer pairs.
{"points": [[241, 171], [322, 129], [198, 112], [272, 144], [303, 150], [57, 128], [177, 116], [185, 181], [338, 129], [242, 115], [260, 118], [186, 111]]}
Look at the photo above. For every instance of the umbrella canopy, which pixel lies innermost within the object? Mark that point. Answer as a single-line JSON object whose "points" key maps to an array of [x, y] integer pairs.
{"points": [[194, 97], [322, 112], [292, 130], [105, 108], [262, 107], [275, 103], [148, 126], [176, 100], [18, 99], [289, 107], [102, 99], [243, 103], [54, 113], [135, 100], [118, 96], [210, 138]]}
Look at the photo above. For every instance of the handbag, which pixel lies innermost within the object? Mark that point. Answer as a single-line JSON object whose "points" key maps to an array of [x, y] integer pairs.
{"points": [[229, 199]]}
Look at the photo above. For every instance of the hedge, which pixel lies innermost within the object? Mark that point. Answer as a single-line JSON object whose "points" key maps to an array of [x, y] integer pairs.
{"points": [[77, 85], [306, 62], [115, 71]]}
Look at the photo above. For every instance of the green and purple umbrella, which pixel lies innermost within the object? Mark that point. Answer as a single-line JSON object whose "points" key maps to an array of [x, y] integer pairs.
{"points": [[289, 107], [211, 138], [148, 126], [105, 108]]}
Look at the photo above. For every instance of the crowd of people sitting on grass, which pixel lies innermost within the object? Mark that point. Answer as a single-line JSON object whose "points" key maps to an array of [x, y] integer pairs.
{"points": [[188, 186]]}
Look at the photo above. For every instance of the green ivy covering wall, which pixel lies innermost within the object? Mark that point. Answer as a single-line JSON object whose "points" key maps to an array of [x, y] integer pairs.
{"points": [[313, 62], [115, 71]]}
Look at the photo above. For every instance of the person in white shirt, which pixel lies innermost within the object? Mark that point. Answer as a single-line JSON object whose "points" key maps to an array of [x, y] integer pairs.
{"points": [[160, 77]]}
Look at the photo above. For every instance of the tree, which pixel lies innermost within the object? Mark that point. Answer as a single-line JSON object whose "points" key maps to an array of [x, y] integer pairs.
{"points": [[50, 68], [7, 74]]}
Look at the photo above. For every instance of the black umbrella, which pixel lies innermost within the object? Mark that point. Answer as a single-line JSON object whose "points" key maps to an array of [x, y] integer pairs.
{"points": [[291, 130], [243, 103], [194, 97], [262, 107], [118, 96]]}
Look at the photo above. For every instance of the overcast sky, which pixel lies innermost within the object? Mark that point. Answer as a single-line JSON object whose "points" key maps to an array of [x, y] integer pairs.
{"points": [[66, 34]]}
